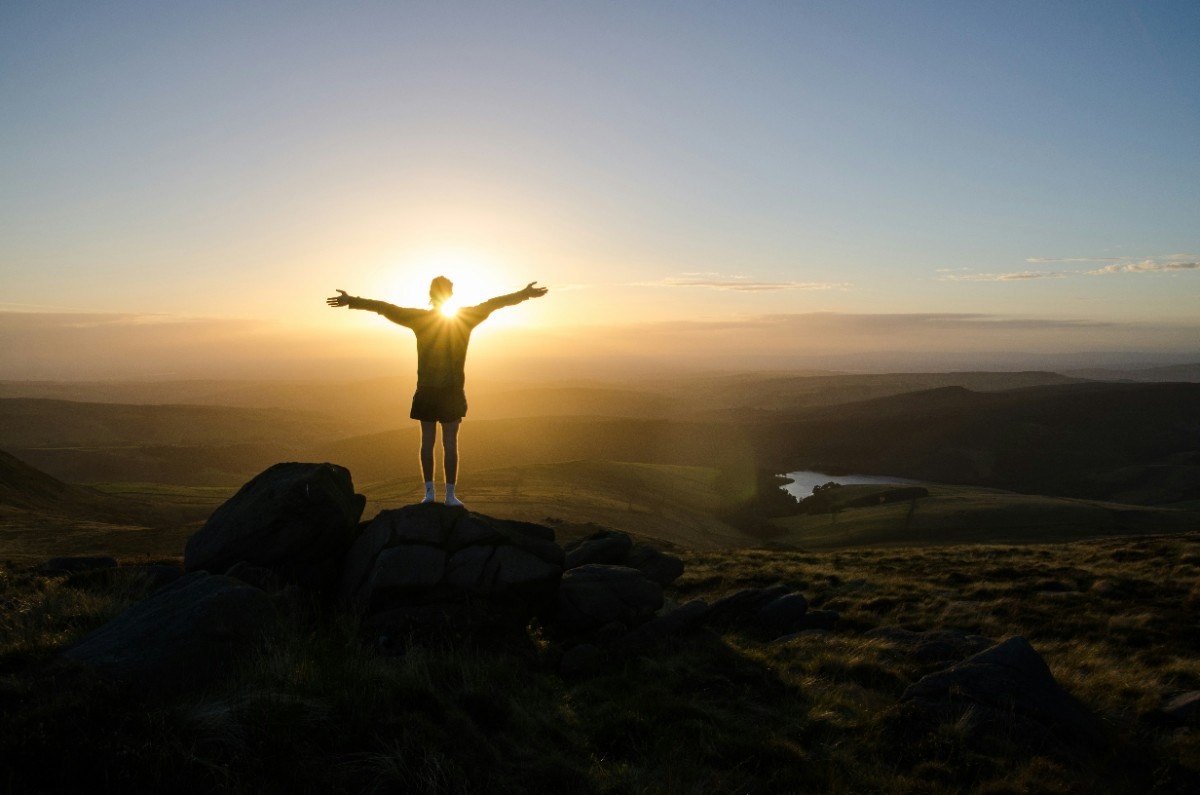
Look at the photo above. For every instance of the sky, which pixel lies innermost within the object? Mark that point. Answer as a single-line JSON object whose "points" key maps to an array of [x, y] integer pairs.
{"points": [[720, 184]]}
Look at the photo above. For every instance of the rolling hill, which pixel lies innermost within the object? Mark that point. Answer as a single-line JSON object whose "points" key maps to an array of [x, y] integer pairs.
{"points": [[1089, 440]]}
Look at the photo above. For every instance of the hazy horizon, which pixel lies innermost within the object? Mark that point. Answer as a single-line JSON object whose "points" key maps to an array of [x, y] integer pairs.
{"points": [[702, 186]]}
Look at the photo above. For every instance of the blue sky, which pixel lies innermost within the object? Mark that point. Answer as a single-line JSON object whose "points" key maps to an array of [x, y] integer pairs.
{"points": [[661, 161]]}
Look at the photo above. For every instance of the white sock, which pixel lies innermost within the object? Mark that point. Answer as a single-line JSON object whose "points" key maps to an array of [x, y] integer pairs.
{"points": [[428, 491], [450, 498]]}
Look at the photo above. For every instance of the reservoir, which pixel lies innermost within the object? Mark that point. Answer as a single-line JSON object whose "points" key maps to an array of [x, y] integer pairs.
{"points": [[803, 481]]}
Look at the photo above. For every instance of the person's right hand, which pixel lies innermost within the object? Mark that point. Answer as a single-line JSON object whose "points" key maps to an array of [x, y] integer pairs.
{"points": [[339, 300]]}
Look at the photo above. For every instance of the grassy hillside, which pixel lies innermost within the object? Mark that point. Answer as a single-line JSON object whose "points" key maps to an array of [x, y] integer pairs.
{"points": [[663, 503], [516, 442], [318, 710], [27, 422], [958, 514], [42, 517], [726, 396]]}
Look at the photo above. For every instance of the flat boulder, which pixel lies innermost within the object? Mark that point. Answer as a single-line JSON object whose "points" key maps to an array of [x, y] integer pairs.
{"points": [[432, 560], [296, 519], [188, 633]]}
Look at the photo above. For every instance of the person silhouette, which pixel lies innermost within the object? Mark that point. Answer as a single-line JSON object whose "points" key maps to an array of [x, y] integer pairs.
{"points": [[442, 339]]}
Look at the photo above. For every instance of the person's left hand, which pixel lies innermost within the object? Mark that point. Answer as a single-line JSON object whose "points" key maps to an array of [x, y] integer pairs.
{"points": [[534, 292], [338, 300]]}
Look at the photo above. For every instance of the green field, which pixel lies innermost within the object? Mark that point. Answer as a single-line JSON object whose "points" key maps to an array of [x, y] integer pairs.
{"points": [[970, 514]]}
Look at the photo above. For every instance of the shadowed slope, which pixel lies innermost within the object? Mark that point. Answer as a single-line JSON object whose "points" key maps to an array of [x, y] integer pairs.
{"points": [[1068, 440]]}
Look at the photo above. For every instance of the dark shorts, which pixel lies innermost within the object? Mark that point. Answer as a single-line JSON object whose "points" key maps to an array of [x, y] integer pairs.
{"points": [[439, 404]]}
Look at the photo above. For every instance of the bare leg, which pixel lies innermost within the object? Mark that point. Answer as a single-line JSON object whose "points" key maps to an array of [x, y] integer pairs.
{"points": [[450, 451], [428, 440], [450, 460]]}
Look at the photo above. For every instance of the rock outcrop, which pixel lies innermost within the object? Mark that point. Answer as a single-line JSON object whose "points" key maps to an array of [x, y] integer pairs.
{"points": [[295, 519], [186, 634], [422, 563]]}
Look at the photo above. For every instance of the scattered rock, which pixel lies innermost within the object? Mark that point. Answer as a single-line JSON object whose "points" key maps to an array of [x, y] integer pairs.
{"points": [[782, 615], [657, 565], [615, 548], [295, 519], [739, 609], [186, 634], [769, 612], [603, 546], [1004, 693], [596, 594], [661, 627]]}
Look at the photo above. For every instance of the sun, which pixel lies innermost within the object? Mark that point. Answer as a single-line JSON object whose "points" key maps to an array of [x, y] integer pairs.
{"points": [[477, 275]]}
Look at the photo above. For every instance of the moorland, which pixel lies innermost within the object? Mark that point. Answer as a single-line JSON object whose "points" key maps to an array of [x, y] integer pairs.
{"points": [[1064, 508]]}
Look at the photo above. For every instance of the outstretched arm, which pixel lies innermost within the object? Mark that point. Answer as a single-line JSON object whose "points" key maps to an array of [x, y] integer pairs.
{"points": [[492, 304], [396, 314]]}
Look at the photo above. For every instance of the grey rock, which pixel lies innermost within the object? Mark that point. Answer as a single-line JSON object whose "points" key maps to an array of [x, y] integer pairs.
{"points": [[740, 608], [658, 566], [186, 634], [783, 615], [596, 594], [661, 627], [297, 519], [603, 546], [1005, 692], [421, 556]]}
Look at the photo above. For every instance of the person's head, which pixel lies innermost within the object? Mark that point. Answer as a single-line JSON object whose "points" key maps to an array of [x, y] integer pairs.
{"points": [[440, 290]]}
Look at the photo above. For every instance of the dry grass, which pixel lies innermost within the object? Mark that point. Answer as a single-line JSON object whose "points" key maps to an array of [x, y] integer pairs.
{"points": [[320, 711]]}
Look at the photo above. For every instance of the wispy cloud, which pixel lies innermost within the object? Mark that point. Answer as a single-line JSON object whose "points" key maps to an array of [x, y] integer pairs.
{"points": [[1014, 276], [1073, 259], [716, 281], [1145, 266], [1169, 264]]}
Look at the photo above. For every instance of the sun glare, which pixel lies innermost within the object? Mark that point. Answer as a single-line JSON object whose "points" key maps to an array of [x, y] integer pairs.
{"points": [[477, 276]]}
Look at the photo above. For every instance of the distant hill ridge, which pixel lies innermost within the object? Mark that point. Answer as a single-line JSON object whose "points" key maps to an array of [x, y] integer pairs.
{"points": [[1090, 439], [29, 489]]}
